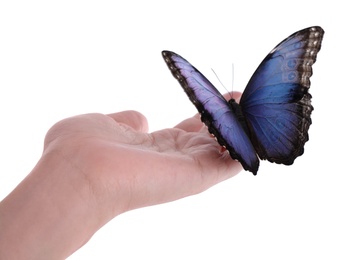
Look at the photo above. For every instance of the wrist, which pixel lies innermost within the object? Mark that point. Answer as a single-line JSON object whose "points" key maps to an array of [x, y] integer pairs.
{"points": [[50, 214]]}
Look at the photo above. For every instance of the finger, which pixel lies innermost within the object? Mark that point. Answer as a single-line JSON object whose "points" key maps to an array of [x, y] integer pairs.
{"points": [[131, 118], [235, 95], [192, 124]]}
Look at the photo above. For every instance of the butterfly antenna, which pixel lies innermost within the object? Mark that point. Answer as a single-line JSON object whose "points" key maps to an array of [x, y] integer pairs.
{"points": [[220, 81], [232, 76]]}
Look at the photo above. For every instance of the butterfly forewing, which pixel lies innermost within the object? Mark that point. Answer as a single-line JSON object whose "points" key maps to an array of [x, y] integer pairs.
{"points": [[215, 111], [276, 102]]}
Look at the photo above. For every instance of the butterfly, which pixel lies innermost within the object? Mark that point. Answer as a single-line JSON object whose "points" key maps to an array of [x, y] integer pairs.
{"points": [[272, 119]]}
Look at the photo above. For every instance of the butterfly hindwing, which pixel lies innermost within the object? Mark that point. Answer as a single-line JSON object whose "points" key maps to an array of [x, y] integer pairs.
{"points": [[276, 102], [215, 111]]}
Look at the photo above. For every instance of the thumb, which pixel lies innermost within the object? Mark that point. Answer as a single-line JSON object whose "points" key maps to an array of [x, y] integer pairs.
{"points": [[132, 118]]}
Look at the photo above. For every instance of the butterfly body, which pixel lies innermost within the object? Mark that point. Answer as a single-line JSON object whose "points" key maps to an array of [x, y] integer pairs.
{"points": [[273, 116]]}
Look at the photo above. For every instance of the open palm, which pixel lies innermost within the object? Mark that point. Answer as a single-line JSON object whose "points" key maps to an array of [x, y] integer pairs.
{"points": [[95, 167], [131, 168]]}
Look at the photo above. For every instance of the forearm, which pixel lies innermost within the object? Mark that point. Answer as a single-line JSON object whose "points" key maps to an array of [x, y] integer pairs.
{"points": [[47, 216]]}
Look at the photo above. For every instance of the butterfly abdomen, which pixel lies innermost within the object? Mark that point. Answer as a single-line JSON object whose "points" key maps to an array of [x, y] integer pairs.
{"points": [[235, 107]]}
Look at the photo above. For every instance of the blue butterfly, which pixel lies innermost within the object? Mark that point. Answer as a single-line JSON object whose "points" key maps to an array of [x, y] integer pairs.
{"points": [[273, 116]]}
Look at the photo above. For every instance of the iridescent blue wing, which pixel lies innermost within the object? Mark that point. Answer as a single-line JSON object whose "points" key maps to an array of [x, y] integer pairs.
{"points": [[216, 112], [276, 102]]}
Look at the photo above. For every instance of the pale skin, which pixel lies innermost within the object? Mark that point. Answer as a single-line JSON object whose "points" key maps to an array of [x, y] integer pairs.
{"points": [[95, 167]]}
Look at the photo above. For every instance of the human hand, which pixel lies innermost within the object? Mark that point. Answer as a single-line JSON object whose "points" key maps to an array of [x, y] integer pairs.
{"points": [[95, 167], [130, 168]]}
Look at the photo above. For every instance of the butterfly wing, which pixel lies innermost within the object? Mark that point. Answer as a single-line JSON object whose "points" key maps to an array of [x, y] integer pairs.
{"points": [[276, 102], [215, 111]]}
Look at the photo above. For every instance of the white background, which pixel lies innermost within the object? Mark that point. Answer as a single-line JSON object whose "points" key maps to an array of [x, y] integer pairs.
{"points": [[63, 58]]}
